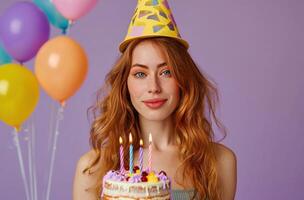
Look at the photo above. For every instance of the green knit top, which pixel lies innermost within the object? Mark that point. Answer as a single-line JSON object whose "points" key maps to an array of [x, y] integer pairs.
{"points": [[182, 194]]}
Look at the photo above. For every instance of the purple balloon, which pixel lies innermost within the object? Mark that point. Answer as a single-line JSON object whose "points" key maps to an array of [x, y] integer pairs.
{"points": [[23, 30]]}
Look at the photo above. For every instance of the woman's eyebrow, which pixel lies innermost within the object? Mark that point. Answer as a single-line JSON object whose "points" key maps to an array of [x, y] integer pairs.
{"points": [[146, 67]]}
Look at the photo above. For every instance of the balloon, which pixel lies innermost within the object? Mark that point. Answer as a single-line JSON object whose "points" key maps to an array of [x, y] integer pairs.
{"points": [[74, 9], [23, 30], [19, 94], [61, 66], [52, 14], [4, 57]]}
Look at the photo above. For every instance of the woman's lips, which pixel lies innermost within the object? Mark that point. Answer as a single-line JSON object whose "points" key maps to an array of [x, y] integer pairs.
{"points": [[154, 104]]}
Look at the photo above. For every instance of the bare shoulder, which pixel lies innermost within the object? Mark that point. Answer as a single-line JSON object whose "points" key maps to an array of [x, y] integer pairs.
{"points": [[224, 154], [86, 160], [84, 180], [227, 170]]}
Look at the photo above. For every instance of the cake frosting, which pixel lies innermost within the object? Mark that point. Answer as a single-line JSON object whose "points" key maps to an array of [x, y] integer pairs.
{"points": [[123, 185]]}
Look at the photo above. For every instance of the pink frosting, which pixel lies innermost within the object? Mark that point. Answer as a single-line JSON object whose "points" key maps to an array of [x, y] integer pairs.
{"points": [[135, 178]]}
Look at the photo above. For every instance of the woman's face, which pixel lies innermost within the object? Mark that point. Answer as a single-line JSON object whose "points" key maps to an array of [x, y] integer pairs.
{"points": [[153, 90]]}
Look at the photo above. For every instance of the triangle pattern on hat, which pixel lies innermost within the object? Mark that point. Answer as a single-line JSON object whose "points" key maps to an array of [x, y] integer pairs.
{"points": [[161, 13], [171, 26], [157, 28], [133, 20], [137, 31], [152, 18], [165, 3], [143, 13], [151, 3]]}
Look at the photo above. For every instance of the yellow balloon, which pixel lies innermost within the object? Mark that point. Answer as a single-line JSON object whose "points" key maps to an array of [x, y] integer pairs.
{"points": [[19, 94]]}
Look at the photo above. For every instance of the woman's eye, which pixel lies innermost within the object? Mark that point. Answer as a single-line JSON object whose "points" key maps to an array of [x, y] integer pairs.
{"points": [[166, 72], [139, 75]]}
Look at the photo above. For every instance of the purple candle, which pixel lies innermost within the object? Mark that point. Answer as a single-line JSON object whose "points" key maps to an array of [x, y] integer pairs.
{"points": [[141, 155], [121, 153]]}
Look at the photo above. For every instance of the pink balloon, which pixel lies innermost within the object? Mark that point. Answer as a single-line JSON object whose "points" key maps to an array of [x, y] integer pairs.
{"points": [[74, 9]]}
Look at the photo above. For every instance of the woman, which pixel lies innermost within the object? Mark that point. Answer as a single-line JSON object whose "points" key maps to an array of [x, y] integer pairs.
{"points": [[155, 87]]}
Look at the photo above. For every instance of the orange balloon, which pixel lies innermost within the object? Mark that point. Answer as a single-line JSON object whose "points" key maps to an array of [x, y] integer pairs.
{"points": [[61, 67]]}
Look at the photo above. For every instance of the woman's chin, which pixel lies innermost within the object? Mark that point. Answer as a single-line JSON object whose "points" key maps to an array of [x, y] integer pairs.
{"points": [[154, 116]]}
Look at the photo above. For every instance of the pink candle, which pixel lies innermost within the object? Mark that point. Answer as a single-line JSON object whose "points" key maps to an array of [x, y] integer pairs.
{"points": [[150, 153], [121, 153], [141, 155]]}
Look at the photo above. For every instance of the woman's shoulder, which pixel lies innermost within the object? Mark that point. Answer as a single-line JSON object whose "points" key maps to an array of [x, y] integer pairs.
{"points": [[224, 153], [227, 169], [87, 158], [225, 157], [84, 178]]}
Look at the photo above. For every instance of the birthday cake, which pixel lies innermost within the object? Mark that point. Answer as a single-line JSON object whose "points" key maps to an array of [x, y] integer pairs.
{"points": [[123, 185]]}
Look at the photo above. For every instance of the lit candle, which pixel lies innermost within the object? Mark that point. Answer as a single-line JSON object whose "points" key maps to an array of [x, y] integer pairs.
{"points": [[121, 153], [141, 155], [150, 153], [131, 154]]}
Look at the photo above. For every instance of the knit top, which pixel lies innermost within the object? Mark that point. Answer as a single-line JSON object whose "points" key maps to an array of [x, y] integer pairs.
{"points": [[182, 194]]}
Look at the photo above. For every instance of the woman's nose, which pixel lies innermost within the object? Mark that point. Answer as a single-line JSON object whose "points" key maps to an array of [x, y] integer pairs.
{"points": [[153, 85]]}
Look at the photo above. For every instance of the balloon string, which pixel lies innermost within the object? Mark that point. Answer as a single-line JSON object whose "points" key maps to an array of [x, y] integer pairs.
{"points": [[58, 119], [51, 132], [29, 151], [33, 136], [53, 110], [21, 163]]}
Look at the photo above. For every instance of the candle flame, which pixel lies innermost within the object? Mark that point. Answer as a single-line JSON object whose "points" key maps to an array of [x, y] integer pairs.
{"points": [[120, 140], [130, 138], [141, 142], [150, 137]]}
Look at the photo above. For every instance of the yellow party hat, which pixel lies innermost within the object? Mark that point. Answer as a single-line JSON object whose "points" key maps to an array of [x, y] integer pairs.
{"points": [[152, 18]]}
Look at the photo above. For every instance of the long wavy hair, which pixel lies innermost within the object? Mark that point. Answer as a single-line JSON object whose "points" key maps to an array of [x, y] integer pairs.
{"points": [[114, 116]]}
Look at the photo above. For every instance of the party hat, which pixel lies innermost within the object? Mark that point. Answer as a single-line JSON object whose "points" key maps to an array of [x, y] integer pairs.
{"points": [[152, 18]]}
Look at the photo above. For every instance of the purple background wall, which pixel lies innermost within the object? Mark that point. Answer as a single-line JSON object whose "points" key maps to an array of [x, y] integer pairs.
{"points": [[254, 51]]}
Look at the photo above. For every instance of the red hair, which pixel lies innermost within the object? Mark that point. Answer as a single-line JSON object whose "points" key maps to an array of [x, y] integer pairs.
{"points": [[115, 116]]}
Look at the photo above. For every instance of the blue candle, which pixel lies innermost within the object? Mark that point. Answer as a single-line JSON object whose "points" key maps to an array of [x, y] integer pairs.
{"points": [[131, 154]]}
